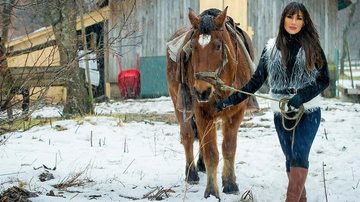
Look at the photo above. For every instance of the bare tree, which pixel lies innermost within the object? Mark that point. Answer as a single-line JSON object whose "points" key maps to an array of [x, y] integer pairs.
{"points": [[19, 80], [351, 22], [58, 18], [7, 88], [63, 15]]}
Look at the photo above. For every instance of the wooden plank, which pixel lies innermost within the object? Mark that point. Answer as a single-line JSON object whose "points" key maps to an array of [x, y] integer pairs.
{"points": [[32, 49], [48, 56], [39, 76], [353, 91], [349, 91]]}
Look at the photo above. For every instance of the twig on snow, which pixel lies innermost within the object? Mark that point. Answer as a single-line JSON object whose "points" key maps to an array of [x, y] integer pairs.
{"points": [[128, 166], [324, 180]]}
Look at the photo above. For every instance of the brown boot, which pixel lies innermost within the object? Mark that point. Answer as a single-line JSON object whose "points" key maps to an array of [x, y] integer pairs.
{"points": [[303, 197], [297, 178]]}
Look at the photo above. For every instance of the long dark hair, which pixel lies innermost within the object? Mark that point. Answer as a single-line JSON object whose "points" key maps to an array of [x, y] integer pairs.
{"points": [[308, 37]]}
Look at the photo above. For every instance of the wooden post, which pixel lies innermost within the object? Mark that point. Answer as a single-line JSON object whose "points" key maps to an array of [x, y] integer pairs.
{"points": [[351, 75], [330, 91], [106, 60]]}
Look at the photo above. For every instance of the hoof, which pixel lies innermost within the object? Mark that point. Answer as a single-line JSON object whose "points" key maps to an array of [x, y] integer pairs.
{"points": [[200, 165], [192, 176], [230, 188], [211, 191]]}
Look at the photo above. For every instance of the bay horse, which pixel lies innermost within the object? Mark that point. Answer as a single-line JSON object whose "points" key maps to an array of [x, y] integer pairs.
{"points": [[214, 57]]}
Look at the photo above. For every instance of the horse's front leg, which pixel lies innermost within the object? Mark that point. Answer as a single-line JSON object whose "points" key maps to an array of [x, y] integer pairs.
{"points": [[187, 140], [208, 147], [200, 162], [229, 128]]}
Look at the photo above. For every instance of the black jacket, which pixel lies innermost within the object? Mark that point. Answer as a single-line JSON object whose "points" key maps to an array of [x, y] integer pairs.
{"points": [[260, 75]]}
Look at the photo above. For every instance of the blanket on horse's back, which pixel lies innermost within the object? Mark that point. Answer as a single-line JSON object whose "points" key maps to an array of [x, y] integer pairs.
{"points": [[175, 45]]}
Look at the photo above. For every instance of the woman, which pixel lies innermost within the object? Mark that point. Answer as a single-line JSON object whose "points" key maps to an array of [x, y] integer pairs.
{"points": [[296, 67]]}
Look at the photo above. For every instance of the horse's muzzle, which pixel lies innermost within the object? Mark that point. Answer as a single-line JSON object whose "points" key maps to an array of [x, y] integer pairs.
{"points": [[203, 96]]}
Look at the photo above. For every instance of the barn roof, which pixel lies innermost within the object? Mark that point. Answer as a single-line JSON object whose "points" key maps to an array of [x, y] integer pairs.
{"points": [[45, 34]]}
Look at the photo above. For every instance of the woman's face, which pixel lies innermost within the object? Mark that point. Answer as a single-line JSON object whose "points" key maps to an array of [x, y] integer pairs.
{"points": [[294, 23]]}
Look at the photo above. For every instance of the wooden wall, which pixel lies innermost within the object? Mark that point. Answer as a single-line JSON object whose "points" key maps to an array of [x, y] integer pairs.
{"points": [[237, 9], [152, 23], [264, 17]]}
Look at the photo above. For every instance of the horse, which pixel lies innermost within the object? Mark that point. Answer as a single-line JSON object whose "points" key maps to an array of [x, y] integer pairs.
{"points": [[194, 79]]}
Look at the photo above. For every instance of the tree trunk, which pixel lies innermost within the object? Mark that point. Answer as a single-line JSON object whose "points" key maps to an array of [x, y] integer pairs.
{"points": [[346, 31], [63, 18], [7, 91]]}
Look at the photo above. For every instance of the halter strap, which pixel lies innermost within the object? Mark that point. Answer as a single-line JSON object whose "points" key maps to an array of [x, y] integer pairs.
{"points": [[214, 77]]}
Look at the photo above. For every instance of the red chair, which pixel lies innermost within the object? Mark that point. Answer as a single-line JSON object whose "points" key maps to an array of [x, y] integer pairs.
{"points": [[129, 79]]}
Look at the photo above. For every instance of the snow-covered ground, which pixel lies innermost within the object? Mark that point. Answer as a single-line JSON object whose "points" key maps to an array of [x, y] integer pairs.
{"points": [[129, 159]]}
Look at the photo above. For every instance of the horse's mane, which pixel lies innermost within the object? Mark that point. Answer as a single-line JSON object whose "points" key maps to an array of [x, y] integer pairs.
{"points": [[206, 25], [207, 16]]}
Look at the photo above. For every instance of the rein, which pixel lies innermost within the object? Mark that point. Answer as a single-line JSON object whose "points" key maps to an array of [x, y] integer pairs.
{"points": [[282, 106]]}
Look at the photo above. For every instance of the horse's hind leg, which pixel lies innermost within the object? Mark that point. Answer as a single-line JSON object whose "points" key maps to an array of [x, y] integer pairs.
{"points": [[230, 128], [187, 139]]}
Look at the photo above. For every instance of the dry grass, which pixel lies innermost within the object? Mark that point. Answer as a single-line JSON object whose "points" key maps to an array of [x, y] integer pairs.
{"points": [[74, 180]]}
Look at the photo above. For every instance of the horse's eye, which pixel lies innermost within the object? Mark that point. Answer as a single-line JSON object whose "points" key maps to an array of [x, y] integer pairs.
{"points": [[217, 47]]}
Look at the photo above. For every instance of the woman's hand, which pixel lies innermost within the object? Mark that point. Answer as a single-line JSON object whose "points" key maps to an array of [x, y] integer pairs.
{"points": [[294, 102], [220, 105], [233, 99]]}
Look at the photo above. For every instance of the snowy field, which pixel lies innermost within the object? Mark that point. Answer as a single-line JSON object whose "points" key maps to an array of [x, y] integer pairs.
{"points": [[110, 159]]}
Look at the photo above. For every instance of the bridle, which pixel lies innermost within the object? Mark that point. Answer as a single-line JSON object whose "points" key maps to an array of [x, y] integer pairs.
{"points": [[213, 77]]}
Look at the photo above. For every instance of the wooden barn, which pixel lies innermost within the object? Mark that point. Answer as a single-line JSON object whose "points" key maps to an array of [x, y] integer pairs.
{"points": [[158, 19], [37, 54], [149, 27], [142, 27], [155, 21]]}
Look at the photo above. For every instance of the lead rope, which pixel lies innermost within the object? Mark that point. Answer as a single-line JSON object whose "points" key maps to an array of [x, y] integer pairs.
{"points": [[282, 105], [284, 115]]}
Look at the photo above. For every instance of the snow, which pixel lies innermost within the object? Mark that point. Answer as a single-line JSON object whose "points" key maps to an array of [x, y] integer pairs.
{"points": [[130, 159]]}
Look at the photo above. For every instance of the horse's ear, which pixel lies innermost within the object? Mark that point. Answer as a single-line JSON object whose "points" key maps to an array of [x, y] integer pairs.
{"points": [[194, 19], [220, 19]]}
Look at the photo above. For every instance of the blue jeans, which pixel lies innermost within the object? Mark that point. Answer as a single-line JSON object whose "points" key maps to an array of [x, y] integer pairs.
{"points": [[304, 136]]}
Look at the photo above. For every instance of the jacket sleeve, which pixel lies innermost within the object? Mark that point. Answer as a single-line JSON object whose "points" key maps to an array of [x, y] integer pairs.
{"points": [[322, 81], [256, 81], [259, 76]]}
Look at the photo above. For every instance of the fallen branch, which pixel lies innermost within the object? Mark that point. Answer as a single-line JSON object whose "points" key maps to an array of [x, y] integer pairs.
{"points": [[325, 134], [14, 173], [130, 197], [158, 193], [17, 194], [128, 166]]}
